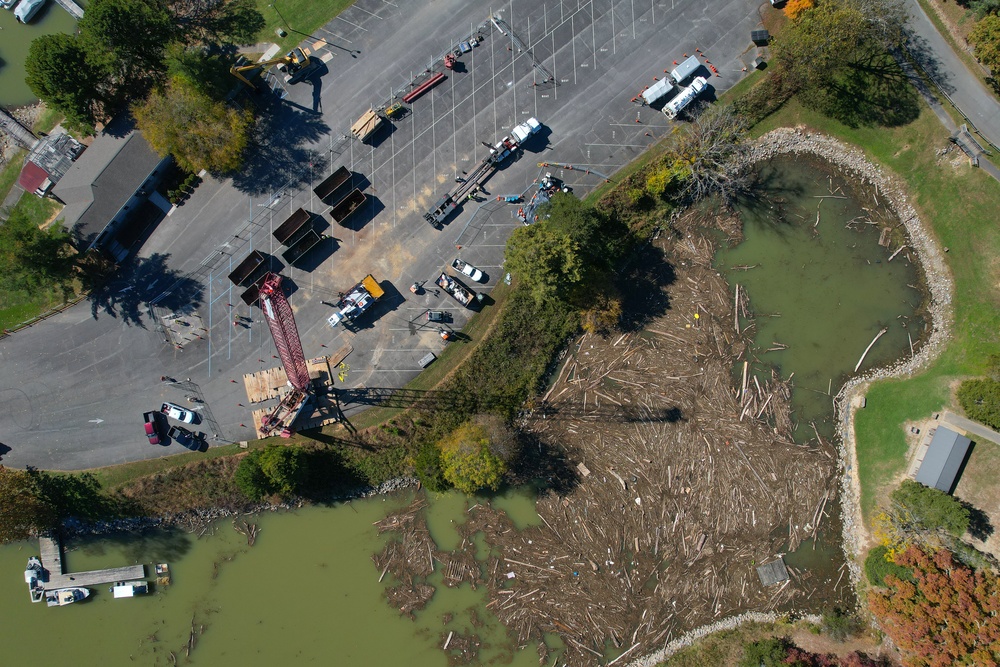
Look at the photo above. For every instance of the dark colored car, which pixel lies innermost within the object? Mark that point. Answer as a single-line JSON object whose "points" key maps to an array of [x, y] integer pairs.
{"points": [[437, 316], [152, 424], [184, 437]]}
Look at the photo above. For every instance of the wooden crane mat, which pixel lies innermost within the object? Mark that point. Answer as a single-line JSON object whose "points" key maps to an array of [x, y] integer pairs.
{"points": [[264, 385]]}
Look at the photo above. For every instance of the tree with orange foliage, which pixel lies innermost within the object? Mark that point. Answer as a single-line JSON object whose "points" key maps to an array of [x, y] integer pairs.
{"points": [[948, 615], [794, 8]]}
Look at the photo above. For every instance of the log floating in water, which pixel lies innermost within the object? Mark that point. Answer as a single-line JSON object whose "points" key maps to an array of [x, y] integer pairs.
{"points": [[867, 349]]}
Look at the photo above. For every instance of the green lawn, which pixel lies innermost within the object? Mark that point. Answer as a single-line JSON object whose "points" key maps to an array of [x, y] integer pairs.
{"points": [[10, 172], [299, 18], [960, 204]]}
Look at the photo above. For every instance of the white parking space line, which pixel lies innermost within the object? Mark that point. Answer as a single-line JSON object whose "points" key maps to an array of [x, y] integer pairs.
{"points": [[351, 23]]}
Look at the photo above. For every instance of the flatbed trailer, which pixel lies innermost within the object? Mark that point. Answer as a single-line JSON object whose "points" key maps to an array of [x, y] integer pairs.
{"points": [[367, 125], [332, 183], [347, 206]]}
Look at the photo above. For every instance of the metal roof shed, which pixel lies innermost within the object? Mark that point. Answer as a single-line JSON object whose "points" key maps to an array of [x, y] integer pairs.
{"points": [[944, 458]]}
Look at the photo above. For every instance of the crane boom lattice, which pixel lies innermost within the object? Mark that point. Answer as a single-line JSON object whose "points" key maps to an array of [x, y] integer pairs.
{"points": [[283, 330]]}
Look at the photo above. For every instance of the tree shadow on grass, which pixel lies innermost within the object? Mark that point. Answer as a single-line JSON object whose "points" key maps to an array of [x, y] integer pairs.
{"points": [[876, 92]]}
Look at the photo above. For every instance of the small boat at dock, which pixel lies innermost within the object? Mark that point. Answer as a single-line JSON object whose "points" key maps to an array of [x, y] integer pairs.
{"points": [[64, 596], [8, 4], [27, 10], [129, 589], [33, 575]]}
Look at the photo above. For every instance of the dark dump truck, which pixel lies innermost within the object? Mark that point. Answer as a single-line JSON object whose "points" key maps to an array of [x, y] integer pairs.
{"points": [[298, 234], [332, 183], [250, 274], [347, 206]]}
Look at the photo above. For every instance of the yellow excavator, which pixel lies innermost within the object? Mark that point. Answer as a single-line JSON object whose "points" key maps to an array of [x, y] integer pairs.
{"points": [[295, 65]]}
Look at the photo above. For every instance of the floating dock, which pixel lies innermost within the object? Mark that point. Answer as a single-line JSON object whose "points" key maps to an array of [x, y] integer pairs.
{"points": [[51, 556], [74, 9]]}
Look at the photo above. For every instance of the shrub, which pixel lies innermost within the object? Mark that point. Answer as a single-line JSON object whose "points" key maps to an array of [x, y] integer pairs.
{"points": [[765, 653], [928, 509], [468, 462], [839, 625], [878, 566], [274, 470], [980, 399], [795, 8]]}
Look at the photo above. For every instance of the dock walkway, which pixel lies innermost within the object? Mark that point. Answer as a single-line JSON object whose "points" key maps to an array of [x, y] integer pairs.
{"points": [[75, 10], [51, 557]]}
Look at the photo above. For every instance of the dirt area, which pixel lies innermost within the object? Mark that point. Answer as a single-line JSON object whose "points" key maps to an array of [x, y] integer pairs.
{"points": [[675, 479]]}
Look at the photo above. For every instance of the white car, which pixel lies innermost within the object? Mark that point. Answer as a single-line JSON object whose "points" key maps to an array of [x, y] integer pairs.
{"points": [[467, 269], [177, 412]]}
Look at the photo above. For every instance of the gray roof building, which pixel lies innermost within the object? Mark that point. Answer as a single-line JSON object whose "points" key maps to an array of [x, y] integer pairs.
{"points": [[99, 187], [944, 458]]}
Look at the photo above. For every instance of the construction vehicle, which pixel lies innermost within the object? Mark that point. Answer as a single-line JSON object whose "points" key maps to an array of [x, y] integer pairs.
{"points": [[456, 289], [356, 301], [687, 95], [467, 187], [367, 125], [281, 322], [295, 65]]}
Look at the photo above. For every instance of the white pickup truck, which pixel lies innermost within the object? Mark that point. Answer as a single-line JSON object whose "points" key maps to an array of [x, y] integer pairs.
{"points": [[177, 412]]}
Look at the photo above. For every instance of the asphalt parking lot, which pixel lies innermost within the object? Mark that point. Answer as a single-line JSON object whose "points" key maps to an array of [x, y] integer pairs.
{"points": [[74, 386]]}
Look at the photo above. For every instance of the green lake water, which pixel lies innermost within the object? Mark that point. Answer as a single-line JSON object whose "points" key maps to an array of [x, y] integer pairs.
{"points": [[306, 593], [824, 290], [14, 41]]}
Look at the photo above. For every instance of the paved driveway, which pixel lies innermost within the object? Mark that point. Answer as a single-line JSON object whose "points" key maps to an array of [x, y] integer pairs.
{"points": [[74, 387], [951, 74]]}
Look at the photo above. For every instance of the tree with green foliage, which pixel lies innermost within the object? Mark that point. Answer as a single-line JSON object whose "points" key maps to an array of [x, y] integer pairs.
{"points": [[23, 512], [59, 73], [546, 260], [126, 40], [837, 56], [924, 509], [32, 258], [980, 398], [427, 467], [273, 471], [985, 36], [467, 461], [115, 58], [948, 615], [199, 132]]}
